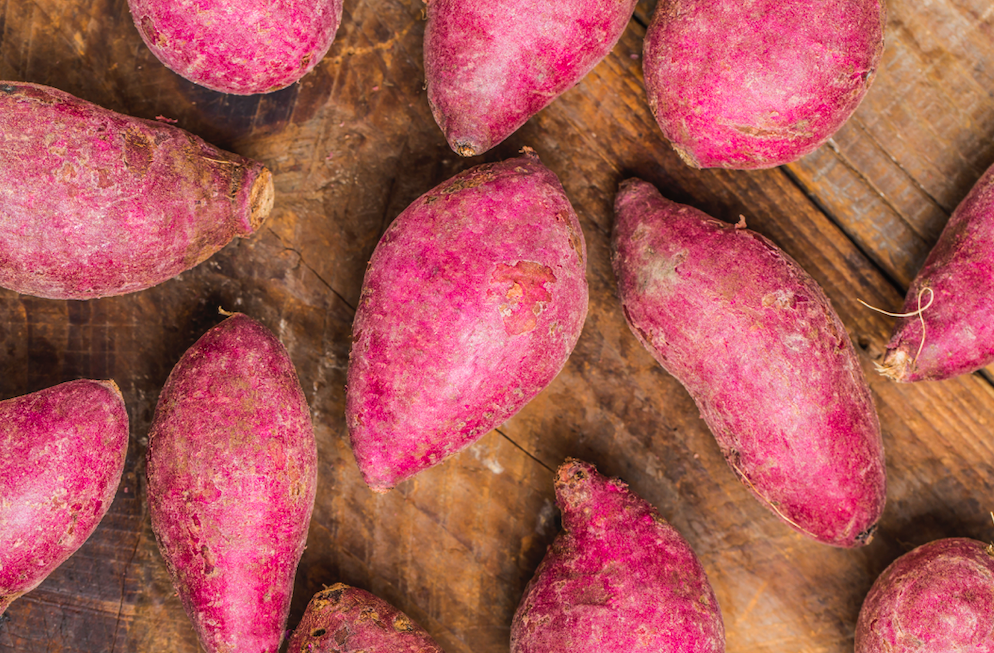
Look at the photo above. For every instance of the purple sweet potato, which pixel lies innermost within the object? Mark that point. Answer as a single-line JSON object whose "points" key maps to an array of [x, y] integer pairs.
{"points": [[938, 598], [238, 46], [617, 579], [97, 203], [343, 619], [63, 454], [959, 320], [472, 302], [232, 473], [756, 343], [490, 66], [758, 83]]}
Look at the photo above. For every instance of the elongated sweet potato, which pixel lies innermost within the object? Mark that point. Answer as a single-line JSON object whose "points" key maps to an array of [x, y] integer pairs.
{"points": [[343, 619], [758, 83], [491, 66], [756, 343], [97, 203], [232, 473], [63, 454], [238, 46], [472, 302], [959, 318], [938, 597], [617, 579]]}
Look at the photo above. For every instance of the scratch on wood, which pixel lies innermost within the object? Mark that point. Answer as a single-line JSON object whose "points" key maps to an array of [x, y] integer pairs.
{"points": [[313, 271], [124, 579], [752, 603], [524, 451]]}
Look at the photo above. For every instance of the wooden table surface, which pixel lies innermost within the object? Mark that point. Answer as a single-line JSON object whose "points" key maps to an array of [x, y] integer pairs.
{"points": [[350, 146]]}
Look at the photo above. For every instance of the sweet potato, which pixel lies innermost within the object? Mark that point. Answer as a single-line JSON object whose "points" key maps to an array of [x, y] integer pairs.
{"points": [[491, 66], [936, 598], [232, 473], [955, 285], [343, 619], [756, 343], [96, 203], [238, 46], [63, 454], [617, 579], [471, 304], [758, 83]]}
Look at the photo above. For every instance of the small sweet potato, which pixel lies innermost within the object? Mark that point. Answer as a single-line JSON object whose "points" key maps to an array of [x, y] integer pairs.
{"points": [[617, 579], [343, 619], [756, 343], [937, 598], [63, 454], [490, 66], [471, 304], [758, 83], [955, 285], [232, 473], [97, 203], [238, 46]]}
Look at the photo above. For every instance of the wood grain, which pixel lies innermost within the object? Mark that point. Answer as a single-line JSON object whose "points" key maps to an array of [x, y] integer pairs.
{"points": [[350, 146]]}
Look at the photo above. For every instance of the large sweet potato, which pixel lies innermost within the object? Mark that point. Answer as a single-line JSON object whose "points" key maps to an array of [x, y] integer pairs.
{"points": [[343, 619], [63, 454], [758, 83], [472, 302], [937, 598], [755, 342], [232, 473], [96, 203], [617, 579], [490, 66], [238, 46], [955, 285]]}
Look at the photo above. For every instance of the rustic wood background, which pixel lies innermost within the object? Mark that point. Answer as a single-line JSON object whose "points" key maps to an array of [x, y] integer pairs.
{"points": [[350, 146]]}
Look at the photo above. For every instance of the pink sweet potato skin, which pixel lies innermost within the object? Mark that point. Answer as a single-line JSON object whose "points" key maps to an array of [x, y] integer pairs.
{"points": [[758, 83], [959, 323], [472, 302], [617, 579], [755, 342], [936, 598], [63, 454], [343, 619], [490, 66], [238, 46], [99, 203], [232, 473]]}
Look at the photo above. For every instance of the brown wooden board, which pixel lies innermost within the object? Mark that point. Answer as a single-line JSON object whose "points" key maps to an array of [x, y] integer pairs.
{"points": [[350, 146]]}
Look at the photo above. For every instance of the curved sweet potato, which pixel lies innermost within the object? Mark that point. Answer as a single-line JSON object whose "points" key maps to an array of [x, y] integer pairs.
{"points": [[491, 66], [97, 203], [472, 302], [756, 343], [232, 474], [959, 320], [63, 455], [617, 579], [238, 46], [758, 83], [938, 597], [343, 619]]}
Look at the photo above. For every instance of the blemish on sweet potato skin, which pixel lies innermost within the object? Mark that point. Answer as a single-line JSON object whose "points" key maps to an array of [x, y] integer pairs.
{"points": [[63, 455], [756, 343], [617, 578], [98, 203], [471, 304], [959, 322], [232, 473], [937, 597], [343, 619]]}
